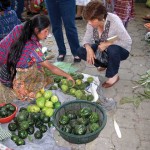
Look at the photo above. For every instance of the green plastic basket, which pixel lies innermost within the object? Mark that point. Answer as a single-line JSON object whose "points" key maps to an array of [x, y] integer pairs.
{"points": [[77, 105]]}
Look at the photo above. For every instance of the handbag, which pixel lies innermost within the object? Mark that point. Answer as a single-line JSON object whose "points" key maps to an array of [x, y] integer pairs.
{"points": [[102, 58]]}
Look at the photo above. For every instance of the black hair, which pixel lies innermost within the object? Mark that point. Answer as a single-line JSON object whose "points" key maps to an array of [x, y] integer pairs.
{"points": [[40, 22], [4, 4]]}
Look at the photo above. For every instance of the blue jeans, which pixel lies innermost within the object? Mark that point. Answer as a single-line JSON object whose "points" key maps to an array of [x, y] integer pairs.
{"points": [[115, 55], [20, 7], [63, 10]]}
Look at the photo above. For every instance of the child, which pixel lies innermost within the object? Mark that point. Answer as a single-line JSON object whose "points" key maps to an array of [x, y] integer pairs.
{"points": [[8, 18]]}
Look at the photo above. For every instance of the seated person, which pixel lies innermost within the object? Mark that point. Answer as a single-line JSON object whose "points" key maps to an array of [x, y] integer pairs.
{"points": [[22, 61], [102, 25], [8, 18]]}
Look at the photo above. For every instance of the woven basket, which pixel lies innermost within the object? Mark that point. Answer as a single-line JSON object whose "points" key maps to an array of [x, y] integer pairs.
{"points": [[77, 105]]}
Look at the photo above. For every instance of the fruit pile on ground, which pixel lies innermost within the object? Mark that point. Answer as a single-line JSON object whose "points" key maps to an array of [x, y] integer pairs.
{"points": [[80, 122], [35, 119], [26, 124], [46, 102], [79, 90]]}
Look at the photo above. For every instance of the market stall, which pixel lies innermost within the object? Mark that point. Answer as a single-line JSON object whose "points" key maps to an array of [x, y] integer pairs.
{"points": [[87, 88]]}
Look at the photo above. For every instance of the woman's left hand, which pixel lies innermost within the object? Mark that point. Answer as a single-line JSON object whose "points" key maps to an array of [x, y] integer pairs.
{"points": [[104, 45]]}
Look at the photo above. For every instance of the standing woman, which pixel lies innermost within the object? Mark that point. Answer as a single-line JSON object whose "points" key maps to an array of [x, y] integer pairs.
{"points": [[21, 60], [101, 26], [62, 12]]}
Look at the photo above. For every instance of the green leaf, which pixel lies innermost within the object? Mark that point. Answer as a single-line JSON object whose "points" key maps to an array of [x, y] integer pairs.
{"points": [[137, 102], [148, 72], [144, 76], [125, 100], [67, 67]]}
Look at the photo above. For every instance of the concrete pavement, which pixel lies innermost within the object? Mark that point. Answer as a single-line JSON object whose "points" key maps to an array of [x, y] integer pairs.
{"points": [[134, 123]]}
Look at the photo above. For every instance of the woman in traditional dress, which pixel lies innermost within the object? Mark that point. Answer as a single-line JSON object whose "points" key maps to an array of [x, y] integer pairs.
{"points": [[22, 61]]}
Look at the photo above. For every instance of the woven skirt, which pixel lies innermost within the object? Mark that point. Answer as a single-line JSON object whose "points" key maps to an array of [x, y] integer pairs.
{"points": [[25, 85]]}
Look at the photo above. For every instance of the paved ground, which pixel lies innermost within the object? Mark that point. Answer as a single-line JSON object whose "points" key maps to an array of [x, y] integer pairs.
{"points": [[134, 123]]}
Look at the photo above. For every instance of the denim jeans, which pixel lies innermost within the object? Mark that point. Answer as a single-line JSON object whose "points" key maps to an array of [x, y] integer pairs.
{"points": [[63, 11], [20, 7], [115, 55]]}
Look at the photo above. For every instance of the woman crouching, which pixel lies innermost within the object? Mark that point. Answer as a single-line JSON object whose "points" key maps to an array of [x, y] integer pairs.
{"points": [[101, 26]]}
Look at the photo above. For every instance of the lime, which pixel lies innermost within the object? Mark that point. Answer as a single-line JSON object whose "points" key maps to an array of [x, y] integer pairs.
{"points": [[78, 82], [39, 94], [57, 105], [49, 104], [47, 94], [90, 79], [49, 112], [54, 99], [64, 88]]}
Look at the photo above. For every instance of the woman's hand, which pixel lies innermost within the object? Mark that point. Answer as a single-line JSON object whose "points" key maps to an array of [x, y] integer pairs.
{"points": [[71, 79], [104, 45], [90, 55], [56, 70]]}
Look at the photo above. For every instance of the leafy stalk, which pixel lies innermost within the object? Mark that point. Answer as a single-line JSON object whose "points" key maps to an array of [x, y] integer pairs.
{"points": [[144, 81]]}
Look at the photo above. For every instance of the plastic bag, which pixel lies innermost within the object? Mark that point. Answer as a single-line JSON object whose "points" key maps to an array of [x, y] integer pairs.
{"points": [[102, 58]]}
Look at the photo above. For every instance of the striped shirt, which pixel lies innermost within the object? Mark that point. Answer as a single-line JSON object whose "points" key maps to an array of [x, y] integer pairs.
{"points": [[31, 52]]}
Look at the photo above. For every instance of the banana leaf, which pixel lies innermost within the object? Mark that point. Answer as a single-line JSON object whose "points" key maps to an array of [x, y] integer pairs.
{"points": [[67, 67]]}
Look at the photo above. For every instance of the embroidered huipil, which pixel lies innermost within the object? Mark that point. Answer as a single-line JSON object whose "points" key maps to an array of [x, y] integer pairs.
{"points": [[31, 52]]}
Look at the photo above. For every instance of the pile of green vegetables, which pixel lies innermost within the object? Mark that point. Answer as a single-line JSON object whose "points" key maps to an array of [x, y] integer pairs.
{"points": [[143, 82], [80, 122], [78, 90], [26, 124], [7, 110]]}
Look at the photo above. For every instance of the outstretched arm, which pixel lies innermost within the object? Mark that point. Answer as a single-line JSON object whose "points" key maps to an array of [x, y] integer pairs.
{"points": [[55, 70]]}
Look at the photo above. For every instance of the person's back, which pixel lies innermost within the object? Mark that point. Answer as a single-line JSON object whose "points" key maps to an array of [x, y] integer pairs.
{"points": [[8, 18]]}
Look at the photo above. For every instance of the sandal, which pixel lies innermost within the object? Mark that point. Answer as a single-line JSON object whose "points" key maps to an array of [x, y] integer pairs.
{"points": [[61, 58], [77, 59], [101, 68], [107, 85]]}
